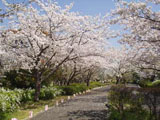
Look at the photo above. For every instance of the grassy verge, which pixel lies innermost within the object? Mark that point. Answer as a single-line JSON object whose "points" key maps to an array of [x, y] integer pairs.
{"points": [[36, 107]]}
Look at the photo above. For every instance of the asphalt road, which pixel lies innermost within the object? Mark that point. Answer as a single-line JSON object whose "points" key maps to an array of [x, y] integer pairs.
{"points": [[90, 106]]}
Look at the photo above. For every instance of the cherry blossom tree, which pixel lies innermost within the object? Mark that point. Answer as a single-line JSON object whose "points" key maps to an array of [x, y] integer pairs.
{"points": [[44, 36], [68, 72], [141, 31], [118, 63], [92, 67], [10, 8], [83, 69]]}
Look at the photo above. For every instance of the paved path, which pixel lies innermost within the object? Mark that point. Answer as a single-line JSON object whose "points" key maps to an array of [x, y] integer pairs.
{"points": [[84, 107]]}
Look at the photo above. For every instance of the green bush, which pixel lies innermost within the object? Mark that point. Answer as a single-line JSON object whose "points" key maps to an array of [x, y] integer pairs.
{"points": [[28, 95], [95, 84], [128, 115], [18, 79], [69, 90], [79, 87], [156, 83], [125, 103], [74, 88], [146, 84], [4, 116], [9, 100], [45, 93], [152, 100], [49, 92]]}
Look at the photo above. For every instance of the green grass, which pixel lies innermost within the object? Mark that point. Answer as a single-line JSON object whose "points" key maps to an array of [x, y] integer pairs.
{"points": [[36, 107], [96, 84]]}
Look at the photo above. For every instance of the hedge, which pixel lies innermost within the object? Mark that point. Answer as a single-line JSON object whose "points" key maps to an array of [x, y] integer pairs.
{"points": [[10, 100], [79, 87]]}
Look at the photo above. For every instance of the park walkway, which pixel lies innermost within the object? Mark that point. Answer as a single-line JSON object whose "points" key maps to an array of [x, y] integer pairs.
{"points": [[89, 106]]}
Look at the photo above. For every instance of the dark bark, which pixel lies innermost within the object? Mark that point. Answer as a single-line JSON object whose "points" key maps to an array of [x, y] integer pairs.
{"points": [[88, 82], [88, 79], [57, 67], [72, 76], [37, 87], [153, 78], [117, 80], [68, 82]]}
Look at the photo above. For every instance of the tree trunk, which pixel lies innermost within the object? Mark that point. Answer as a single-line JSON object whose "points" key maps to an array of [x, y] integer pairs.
{"points": [[71, 78], [68, 82], [88, 82], [117, 80], [153, 78], [37, 88]]}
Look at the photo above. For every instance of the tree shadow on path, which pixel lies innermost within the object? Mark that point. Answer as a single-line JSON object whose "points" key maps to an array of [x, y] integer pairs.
{"points": [[91, 115]]}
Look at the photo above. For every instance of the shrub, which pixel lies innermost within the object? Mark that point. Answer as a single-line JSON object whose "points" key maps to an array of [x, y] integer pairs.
{"points": [[9, 100], [18, 79], [49, 92], [144, 83], [69, 90], [79, 87], [74, 88], [126, 103], [95, 84], [45, 93], [152, 100], [120, 97], [128, 115], [28, 95], [156, 83]]}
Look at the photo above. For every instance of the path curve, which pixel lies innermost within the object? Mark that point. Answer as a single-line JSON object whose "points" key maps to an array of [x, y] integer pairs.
{"points": [[90, 106]]}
